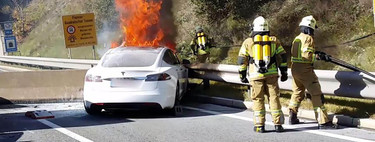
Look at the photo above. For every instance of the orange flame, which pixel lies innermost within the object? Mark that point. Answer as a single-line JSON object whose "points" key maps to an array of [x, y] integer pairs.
{"points": [[140, 23]]}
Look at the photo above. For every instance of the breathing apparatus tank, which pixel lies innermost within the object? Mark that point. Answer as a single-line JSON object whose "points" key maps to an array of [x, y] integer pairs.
{"points": [[202, 40], [262, 52]]}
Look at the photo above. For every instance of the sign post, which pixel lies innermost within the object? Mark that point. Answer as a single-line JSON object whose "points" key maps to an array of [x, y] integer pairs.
{"points": [[93, 52], [79, 30]]}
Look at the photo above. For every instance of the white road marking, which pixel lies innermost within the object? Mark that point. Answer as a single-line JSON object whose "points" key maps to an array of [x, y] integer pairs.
{"points": [[64, 131], [317, 132]]}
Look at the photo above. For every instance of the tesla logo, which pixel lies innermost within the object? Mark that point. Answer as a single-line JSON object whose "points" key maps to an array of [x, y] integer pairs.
{"points": [[123, 73]]}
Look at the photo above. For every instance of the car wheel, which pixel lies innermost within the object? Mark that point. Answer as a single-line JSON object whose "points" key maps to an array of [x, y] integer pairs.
{"points": [[176, 110], [93, 109]]}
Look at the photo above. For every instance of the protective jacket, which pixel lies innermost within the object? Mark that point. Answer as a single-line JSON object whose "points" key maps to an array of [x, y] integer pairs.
{"points": [[303, 49], [200, 44], [277, 58]]}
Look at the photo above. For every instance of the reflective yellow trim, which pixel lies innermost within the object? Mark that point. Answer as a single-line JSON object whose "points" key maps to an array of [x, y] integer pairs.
{"points": [[299, 47], [279, 111], [321, 108], [273, 46], [294, 104], [201, 52], [283, 64], [296, 60], [309, 49], [279, 50], [243, 67], [260, 113]]}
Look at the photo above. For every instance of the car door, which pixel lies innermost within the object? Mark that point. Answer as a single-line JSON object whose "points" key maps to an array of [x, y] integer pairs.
{"points": [[184, 76], [172, 61]]}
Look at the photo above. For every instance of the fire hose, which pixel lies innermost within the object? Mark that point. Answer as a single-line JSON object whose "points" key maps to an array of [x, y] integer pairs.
{"points": [[349, 66]]}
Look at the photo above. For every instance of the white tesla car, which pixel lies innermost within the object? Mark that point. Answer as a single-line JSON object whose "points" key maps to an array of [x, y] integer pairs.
{"points": [[135, 78]]}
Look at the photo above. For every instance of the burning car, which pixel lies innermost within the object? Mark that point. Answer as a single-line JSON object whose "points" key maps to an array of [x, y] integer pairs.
{"points": [[135, 78]]}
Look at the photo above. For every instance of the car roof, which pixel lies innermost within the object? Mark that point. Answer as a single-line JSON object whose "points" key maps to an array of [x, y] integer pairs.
{"points": [[138, 49]]}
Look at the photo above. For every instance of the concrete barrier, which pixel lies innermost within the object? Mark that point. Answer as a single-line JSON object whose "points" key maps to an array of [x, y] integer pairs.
{"points": [[41, 86]]}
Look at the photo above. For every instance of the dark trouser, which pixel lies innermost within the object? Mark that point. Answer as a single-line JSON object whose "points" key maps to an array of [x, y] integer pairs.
{"points": [[202, 59]]}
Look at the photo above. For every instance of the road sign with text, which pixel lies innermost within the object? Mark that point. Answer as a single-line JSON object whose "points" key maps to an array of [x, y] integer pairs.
{"points": [[8, 28], [10, 44], [79, 30]]}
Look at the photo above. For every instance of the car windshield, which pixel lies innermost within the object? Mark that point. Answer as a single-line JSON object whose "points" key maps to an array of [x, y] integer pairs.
{"points": [[130, 57]]}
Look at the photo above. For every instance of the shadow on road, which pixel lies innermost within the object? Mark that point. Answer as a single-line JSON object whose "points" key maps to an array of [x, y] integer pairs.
{"points": [[10, 137], [6, 104]]}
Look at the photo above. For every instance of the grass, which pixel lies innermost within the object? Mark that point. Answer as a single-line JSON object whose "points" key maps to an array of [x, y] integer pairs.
{"points": [[354, 107]]}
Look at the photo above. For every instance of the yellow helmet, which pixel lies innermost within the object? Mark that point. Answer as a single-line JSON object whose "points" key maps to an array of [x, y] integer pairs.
{"points": [[308, 21], [260, 25]]}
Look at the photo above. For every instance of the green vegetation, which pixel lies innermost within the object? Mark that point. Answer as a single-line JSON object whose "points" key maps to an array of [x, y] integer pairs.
{"points": [[338, 21], [359, 108]]}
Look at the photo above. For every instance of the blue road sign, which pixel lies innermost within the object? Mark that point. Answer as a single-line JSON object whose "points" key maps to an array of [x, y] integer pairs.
{"points": [[8, 32], [8, 28], [10, 44]]}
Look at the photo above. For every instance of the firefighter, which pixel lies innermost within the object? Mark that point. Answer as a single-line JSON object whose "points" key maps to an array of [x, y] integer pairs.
{"points": [[200, 46], [263, 54], [303, 57]]}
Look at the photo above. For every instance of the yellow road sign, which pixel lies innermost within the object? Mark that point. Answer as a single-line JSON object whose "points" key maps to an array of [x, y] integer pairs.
{"points": [[79, 30]]}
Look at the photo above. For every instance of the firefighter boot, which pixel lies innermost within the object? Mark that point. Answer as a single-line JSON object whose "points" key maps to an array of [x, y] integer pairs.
{"points": [[293, 118], [259, 129], [328, 125], [279, 128]]}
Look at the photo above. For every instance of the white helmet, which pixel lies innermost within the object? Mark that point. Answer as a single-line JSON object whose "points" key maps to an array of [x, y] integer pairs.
{"points": [[308, 21], [260, 25]]}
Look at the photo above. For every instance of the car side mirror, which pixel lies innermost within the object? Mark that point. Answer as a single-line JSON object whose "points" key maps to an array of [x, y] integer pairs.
{"points": [[184, 61]]}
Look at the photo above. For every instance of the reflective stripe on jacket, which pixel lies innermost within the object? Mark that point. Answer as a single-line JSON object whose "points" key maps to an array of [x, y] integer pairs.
{"points": [[246, 51], [303, 49]]}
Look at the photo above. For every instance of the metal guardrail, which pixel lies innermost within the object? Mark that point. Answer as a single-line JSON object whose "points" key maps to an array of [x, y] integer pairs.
{"points": [[50, 62], [339, 83]]}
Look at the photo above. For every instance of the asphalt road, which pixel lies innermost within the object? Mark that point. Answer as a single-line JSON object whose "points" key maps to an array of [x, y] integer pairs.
{"points": [[198, 123]]}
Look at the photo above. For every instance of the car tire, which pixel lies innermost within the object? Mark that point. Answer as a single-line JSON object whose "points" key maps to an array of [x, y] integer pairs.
{"points": [[93, 109], [176, 110]]}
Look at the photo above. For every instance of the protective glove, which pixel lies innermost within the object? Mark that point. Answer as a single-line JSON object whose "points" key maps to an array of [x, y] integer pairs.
{"points": [[244, 80], [284, 73], [251, 60], [284, 76], [323, 56], [243, 76]]}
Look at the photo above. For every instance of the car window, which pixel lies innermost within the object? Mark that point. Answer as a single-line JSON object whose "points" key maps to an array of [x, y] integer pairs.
{"points": [[130, 58], [170, 58]]}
